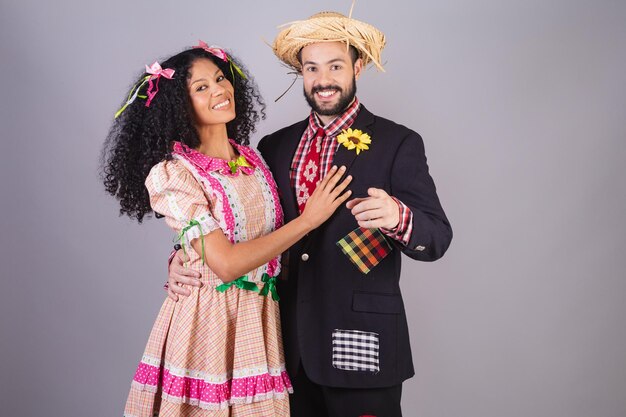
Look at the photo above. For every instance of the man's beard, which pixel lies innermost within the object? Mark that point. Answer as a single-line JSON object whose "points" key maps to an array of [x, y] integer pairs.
{"points": [[342, 104]]}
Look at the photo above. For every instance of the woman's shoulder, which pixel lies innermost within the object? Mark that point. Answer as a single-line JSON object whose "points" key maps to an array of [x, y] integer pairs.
{"points": [[169, 175], [171, 168]]}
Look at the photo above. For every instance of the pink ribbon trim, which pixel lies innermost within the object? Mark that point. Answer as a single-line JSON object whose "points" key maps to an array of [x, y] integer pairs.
{"points": [[256, 160], [187, 388], [213, 50], [156, 73]]}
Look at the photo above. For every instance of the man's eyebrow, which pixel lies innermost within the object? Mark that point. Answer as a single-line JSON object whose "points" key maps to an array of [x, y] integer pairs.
{"points": [[328, 62]]}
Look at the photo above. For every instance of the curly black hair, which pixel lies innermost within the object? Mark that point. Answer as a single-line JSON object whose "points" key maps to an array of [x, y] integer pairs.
{"points": [[143, 136]]}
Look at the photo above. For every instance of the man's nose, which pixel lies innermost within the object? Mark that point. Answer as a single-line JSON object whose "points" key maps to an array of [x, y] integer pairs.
{"points": [[325, 78]]}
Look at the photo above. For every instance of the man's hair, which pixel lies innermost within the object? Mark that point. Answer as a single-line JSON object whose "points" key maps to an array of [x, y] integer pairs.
{"points": [[354, 54]]}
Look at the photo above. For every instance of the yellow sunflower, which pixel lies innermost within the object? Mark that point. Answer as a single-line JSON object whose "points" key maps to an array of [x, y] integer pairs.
{"points": [[354, 139]]}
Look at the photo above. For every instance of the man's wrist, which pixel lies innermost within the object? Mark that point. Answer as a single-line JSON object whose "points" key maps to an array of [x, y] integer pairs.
{"points": [[402, 231], [399, 210]]}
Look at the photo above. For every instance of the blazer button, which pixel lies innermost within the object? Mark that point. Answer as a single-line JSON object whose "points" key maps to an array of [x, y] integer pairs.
{"points": [[305, 257]]}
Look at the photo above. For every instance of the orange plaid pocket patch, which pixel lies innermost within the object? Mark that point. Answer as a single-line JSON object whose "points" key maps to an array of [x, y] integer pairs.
{"points": [[365, 248]]}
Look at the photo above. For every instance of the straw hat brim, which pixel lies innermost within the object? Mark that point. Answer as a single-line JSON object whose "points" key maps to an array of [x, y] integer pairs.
{"points": [[329, 27]]}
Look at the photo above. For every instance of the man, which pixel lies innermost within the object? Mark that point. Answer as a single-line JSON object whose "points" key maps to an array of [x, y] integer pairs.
{"points": [[344, 325]]}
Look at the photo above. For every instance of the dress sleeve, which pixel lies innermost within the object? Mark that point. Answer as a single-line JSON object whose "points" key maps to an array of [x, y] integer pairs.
{"points": [[179, 197]]}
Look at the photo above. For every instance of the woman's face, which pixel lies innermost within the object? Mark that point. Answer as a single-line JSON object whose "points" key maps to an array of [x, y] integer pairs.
{"points": [[212, 95]]}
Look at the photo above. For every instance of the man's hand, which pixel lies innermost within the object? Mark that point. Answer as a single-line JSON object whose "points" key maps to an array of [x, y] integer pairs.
{"points": [[377, 210], [178, 275]]}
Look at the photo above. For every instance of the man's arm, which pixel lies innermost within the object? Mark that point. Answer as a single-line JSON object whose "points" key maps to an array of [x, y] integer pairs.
{"points": [[412, 184], [178, 276], [413, 216]]}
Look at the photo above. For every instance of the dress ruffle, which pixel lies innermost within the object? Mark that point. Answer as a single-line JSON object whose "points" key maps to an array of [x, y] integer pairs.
{"points": [[208, 394]]}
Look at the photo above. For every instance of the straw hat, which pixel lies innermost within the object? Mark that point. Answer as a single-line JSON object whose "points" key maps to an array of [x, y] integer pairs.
{"points": [[329, 27]]}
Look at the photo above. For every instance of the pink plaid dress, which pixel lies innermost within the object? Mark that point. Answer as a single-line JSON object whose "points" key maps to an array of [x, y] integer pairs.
{"points": [[214, 353]]}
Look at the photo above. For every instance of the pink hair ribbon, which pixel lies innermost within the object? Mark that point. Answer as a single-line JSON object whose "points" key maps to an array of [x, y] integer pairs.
{"points": [[221, 54], [213, 50], [156, 73]]}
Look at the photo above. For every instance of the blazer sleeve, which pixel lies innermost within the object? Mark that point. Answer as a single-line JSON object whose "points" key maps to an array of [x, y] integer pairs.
{"points": [[412, 184]]}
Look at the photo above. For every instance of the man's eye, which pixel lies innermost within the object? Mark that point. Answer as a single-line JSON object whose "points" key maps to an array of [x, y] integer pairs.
{"points": [[311, 69], [335, 67]]}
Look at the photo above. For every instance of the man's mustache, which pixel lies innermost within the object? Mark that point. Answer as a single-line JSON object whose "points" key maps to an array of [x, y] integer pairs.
{"points": [[325, 87]]}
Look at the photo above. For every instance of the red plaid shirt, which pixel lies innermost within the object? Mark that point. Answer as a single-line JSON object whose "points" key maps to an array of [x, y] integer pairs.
{"points": [[402, 232], [329, 144]]}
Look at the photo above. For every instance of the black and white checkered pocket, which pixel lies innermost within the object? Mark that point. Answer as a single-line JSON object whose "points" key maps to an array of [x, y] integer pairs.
{"points": [[355, 350]]}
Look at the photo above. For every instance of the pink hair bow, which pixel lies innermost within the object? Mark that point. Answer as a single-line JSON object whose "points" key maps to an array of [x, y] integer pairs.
{"points": [[156, 73], [214, 50], [221, 54]]}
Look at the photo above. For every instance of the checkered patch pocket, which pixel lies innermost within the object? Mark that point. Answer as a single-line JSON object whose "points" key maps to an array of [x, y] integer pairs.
{"points": [[355, 350], [365, 248]]}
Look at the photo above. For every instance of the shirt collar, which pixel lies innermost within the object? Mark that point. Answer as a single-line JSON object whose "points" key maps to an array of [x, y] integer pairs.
{"points": [[343, 121], [210, 164]]}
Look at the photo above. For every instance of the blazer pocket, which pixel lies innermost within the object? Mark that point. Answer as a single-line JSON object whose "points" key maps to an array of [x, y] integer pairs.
{"points": [[356, 350], [377, 303], [365, 248]]}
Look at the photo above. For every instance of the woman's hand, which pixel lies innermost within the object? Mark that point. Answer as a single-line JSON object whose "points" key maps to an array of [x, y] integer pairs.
{"points": [[230, 260], [326, 197]]}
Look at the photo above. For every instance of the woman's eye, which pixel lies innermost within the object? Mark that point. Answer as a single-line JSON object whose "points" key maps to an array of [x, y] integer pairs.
{"points": [[220, 78], [201, 88]]}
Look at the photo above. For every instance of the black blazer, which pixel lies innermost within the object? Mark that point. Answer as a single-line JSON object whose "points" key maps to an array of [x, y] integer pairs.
{"points": [[323, 291]]}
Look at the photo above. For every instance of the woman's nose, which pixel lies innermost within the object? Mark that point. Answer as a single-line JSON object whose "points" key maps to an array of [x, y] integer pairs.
{"points": [[217, 90]]}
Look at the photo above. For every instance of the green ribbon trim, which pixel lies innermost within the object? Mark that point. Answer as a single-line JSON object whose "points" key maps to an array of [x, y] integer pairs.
{"points": [[270, 286], [239, 71], [241, 283], [181, 236], [133, 94], [239, 162]]}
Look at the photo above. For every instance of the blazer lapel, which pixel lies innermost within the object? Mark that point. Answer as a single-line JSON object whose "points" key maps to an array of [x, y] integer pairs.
{"points": [[287, 150], [343, 156], [347, 157]]}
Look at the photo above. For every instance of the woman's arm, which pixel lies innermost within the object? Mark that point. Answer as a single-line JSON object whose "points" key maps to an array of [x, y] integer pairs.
{"points": [[230, 261]]}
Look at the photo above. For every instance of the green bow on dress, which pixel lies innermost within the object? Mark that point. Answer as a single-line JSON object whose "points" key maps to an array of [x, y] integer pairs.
{"points": [[241, 282], [270, 286], [237, 163]]}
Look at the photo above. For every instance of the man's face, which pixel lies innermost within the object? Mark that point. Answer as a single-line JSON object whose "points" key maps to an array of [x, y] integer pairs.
{"points": [[329, 77]]}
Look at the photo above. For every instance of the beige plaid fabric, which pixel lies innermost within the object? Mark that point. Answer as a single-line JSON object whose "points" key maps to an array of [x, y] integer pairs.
{"points": [[209, 333]]}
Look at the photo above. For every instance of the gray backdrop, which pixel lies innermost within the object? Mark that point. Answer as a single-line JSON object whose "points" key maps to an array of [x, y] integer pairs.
{"points": [[522, 108]]}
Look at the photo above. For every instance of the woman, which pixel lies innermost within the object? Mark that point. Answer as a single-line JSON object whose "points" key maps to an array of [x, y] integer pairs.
{"points": [[219, 351]]}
